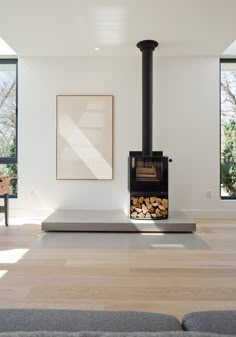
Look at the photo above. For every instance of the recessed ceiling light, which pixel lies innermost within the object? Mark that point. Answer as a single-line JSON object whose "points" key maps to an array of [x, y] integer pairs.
{"points": [[97, 48]]}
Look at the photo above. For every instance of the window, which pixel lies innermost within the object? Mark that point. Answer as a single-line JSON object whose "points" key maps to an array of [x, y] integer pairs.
{"points": [[228, 129], [8, 121]]}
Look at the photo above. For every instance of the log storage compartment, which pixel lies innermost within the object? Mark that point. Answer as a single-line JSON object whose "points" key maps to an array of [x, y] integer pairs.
{"points": [[148, 186], [144, 207]]}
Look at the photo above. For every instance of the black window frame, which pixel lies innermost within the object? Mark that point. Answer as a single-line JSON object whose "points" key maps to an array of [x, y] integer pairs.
{"points": [[224, 60], [12, 160]]}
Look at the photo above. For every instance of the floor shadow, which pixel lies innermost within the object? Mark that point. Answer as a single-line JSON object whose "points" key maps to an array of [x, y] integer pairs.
{"points": [[119, 240]]}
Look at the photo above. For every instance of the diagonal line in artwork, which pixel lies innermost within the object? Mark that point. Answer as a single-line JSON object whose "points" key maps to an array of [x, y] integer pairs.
{"points": [[83, 147]]}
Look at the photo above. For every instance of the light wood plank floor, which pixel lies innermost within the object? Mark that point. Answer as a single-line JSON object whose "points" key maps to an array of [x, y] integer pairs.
{"points": [[173, 281]]}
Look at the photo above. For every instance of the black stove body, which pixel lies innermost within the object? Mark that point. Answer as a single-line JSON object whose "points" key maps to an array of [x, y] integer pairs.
{"points": [[148, 170]]}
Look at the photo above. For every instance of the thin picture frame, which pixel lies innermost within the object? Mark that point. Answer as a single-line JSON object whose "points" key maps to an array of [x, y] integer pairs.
{"points": [[84, 137]]}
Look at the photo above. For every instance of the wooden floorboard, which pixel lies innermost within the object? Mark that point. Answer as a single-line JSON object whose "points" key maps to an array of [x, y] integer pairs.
{"points": [[173, 281]]}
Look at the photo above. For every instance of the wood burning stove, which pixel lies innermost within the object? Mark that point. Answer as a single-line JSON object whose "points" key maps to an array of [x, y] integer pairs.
{"points": [[148, 170]]}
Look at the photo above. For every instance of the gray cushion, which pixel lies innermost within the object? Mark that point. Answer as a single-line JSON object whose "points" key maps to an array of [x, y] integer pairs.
{"points": [[222, 322], [109, 334], [81, 320]]}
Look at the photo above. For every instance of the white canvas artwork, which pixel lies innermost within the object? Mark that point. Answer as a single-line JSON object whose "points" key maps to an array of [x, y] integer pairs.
{"points": [[84, 137]]}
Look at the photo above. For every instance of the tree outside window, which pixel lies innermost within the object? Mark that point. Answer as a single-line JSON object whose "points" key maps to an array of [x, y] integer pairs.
{"points": [[228, 128], [8, 121]]}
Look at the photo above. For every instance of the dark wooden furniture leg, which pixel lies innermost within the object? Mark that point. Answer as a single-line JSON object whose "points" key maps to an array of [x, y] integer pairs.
{"points": [[6, 208]]}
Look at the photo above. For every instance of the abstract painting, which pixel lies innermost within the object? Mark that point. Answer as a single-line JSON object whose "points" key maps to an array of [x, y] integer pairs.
{"points": [[84, 137]]}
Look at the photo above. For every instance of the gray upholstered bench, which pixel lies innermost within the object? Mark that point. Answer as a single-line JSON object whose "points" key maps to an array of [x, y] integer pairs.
{"points": [[82, 320], [109, 334], [221, 322], [81, 323]]}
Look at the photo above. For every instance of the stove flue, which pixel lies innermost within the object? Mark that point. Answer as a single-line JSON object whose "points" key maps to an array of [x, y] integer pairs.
{"points": [[147, 47]]}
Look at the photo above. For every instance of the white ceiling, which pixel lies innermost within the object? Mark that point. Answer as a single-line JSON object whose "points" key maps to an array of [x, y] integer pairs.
{"points": [[76, 27]]}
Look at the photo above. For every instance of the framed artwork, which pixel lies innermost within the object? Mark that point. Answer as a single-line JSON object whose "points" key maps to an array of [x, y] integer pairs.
{"points": [[84, 137]]}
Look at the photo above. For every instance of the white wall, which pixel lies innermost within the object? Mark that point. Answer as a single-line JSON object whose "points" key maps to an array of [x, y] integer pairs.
{"points": [[186, 127], [188, 103]]}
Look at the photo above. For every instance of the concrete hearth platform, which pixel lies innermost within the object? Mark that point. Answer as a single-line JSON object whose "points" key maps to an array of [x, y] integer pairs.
{"points": [[114, 221]]}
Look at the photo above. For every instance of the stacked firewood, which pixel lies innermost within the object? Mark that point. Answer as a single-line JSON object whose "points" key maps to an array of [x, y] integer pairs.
{"points": [[148, 207], [4, 184]]}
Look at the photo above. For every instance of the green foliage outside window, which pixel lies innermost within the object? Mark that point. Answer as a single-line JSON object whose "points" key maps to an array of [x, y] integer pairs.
{"points": [[229, 158], [228, 128], [8, 108]]}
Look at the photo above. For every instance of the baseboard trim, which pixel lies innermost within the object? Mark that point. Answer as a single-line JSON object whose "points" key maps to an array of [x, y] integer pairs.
{"points": [[193, 213], [211, 214], [30, 212]]}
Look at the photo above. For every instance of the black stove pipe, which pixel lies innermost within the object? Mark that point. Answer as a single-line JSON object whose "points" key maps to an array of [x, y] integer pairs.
{"points": [[147, 47]]}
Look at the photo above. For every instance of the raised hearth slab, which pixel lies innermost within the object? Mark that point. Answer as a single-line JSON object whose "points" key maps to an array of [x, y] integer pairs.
{"points": [[114, 221]]}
